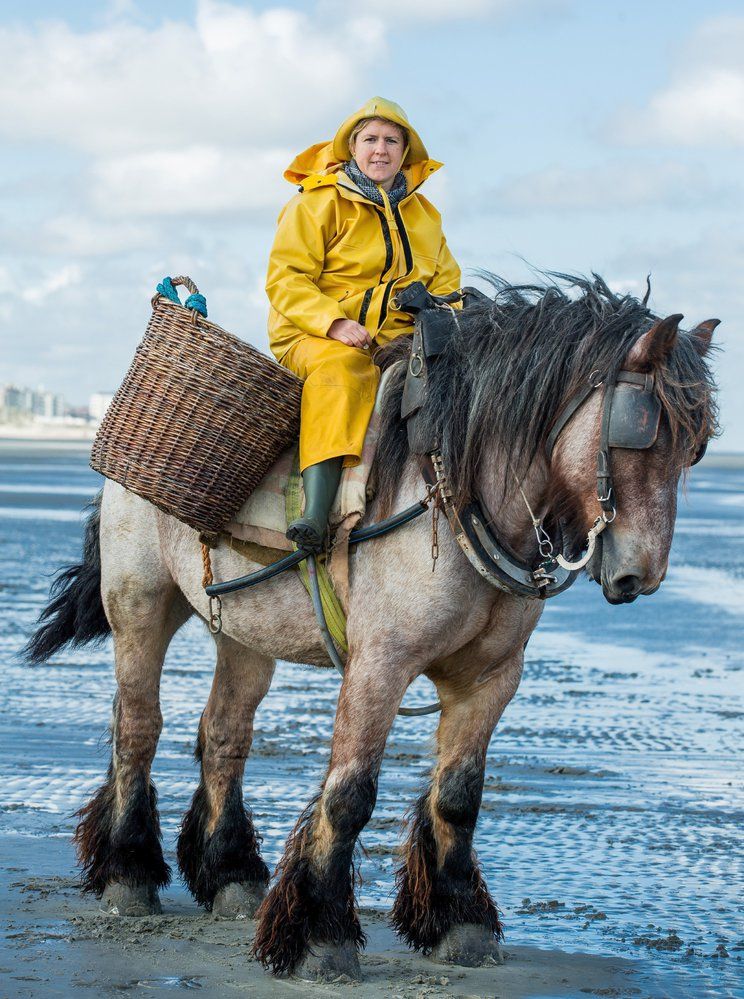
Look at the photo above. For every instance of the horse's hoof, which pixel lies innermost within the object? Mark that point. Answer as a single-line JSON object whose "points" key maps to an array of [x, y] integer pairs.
{"points": [[326, 962], [469, 945], [120, 899], [238, 900]]}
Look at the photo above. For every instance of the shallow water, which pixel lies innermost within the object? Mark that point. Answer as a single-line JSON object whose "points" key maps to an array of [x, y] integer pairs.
{"points": [[613, 798]]}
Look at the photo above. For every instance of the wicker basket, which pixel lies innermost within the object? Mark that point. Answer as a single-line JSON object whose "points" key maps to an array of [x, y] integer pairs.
{"points": [[199, 418]]}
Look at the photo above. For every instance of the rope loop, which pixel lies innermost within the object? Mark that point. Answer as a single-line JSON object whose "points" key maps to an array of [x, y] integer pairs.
{"points": [[207, 577], [195, 301], [214, 621]]}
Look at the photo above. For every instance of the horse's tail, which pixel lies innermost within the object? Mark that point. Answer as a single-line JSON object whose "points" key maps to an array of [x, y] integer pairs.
{"points": [[74, 614]]}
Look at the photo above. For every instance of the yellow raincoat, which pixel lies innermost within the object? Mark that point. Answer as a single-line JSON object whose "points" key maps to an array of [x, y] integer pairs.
{"points": [[338, 255]]}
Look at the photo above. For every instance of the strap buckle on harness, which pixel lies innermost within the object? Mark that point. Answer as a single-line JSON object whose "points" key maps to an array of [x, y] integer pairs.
{"points": [[542, 575], [604, 481]]}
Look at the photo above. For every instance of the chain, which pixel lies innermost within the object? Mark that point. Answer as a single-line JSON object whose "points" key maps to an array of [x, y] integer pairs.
{"points": [[543, 541], [440, 494], [215, 603], [215, 615]]}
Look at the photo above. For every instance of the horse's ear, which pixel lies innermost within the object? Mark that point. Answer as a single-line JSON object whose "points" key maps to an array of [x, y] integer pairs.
{"points": [[703, 334], [655, 345]]}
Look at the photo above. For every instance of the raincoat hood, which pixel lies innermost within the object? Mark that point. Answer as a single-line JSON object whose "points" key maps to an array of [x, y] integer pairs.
{"points": [[325, 157]]}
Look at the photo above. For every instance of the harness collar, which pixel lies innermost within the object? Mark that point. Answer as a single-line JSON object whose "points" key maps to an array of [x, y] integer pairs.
{"points": [[488, 556]]}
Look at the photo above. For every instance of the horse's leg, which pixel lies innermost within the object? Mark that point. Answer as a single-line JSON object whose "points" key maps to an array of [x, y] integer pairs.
{"points": [[308, 921], [218, 847], [118, 835], [443, 905]]}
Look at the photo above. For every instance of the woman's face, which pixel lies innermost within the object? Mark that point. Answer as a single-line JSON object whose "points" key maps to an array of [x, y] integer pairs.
{"points": [[378, 150]]}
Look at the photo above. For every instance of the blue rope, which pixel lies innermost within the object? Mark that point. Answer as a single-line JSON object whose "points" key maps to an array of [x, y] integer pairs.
{"points": [[196, 301], [166, 289]]}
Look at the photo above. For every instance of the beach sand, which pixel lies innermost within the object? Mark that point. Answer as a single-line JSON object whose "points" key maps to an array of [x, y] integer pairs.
{"points": [[57, 943]]}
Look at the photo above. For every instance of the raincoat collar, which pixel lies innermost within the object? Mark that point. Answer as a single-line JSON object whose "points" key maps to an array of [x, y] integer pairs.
{"points": [[316, 167], [320, 164]]}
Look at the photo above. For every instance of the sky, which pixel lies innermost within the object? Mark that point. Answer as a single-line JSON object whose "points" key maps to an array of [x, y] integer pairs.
{"points": [[148, 139]]}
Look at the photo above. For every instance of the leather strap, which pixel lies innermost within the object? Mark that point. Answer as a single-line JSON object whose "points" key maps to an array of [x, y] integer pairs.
{"points": [[491, 559], [604, 461], [574, 403], [579, 398]]}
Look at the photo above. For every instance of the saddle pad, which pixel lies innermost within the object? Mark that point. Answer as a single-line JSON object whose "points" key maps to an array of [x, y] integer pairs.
{"points": [[333, 612], [262, 518]]}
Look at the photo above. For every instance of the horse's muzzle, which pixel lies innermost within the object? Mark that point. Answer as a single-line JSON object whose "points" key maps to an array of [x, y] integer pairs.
{"points": [[625, 586], [621, 585]]}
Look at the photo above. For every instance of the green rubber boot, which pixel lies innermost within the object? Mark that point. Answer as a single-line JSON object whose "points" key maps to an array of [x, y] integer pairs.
{"points": [[320, 483]]}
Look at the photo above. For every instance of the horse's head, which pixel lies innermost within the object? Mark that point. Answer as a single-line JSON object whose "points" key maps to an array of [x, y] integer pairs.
{"points": [[653, 428]]}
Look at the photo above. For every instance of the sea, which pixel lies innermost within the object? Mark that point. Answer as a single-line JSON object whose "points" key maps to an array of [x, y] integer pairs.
{"points": [[613, 804]]}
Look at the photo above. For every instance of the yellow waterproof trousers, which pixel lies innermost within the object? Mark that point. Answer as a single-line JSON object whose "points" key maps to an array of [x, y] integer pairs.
{"points": [[337, 398]]}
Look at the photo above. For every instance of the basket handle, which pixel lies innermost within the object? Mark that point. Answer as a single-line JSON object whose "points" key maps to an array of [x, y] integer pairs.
{"points": [[196, 301]]}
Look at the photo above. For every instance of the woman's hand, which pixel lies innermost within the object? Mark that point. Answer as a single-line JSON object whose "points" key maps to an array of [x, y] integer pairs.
{"points": [[349, 332]]}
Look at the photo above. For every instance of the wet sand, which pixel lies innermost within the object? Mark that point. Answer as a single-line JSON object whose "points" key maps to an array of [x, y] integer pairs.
{"points": [[59, 944]]}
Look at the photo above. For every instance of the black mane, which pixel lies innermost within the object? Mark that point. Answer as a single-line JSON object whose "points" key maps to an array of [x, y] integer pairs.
{"points": [[516, 358]]}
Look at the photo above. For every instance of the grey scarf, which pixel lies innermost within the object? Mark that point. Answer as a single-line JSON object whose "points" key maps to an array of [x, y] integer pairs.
{"points": [[370, 190]]}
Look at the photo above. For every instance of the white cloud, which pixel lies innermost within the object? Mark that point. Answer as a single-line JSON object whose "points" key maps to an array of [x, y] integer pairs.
{"points": [[54, 281], [703, 104], [78, 235], [234, 76], [701, 277], [193, 181], [34, 287], [627, 286], [606, 186]]}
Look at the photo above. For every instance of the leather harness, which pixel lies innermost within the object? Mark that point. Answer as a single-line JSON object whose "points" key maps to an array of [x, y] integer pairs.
{"points": [[630, 419], [631, 413]]}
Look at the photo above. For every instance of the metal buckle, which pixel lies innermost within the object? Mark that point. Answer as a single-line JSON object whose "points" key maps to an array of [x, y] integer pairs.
{"points": [[608, 518]]}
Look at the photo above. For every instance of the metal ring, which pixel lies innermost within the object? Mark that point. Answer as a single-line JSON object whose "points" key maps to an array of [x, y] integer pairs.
{"points": [[419, 358], [595, 374], [215, 615], [608, 519]]}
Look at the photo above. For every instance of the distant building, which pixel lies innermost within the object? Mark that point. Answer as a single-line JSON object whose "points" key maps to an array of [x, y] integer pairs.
{"points": [[14, 399], [78, 413], [48, 405], [98, 404], [19, 404]]}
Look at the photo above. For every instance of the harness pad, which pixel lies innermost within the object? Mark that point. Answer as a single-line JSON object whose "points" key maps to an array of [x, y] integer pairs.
{"points": [[635, 413]]}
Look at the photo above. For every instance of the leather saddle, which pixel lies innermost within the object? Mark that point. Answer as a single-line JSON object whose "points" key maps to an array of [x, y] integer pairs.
{"points": [[435, 321]]}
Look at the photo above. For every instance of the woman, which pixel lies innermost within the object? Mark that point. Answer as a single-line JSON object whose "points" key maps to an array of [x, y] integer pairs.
{"points": [[358, 232]]}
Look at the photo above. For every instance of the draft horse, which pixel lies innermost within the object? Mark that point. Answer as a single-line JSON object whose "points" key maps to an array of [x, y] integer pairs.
{"points": [[515, 364]]}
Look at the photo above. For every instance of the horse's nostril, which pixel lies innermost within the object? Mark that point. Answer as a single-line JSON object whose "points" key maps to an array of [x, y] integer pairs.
{"points": [[627, 585]]}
